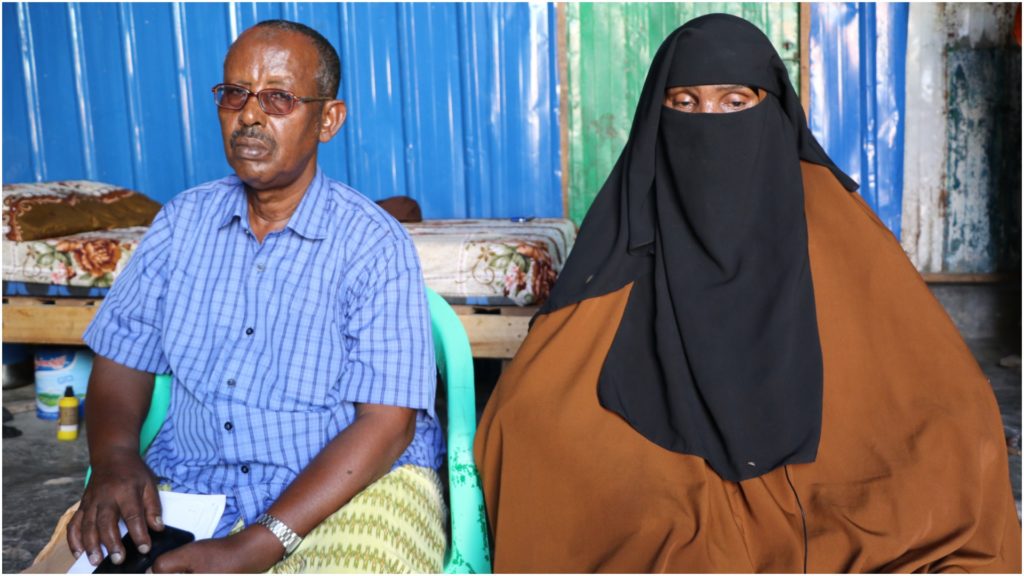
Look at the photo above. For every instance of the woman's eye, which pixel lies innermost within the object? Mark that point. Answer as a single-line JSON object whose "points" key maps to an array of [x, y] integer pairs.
{"points": [[685, 103]]}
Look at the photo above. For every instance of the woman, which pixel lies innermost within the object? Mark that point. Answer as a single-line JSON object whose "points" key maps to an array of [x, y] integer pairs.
{"points": [[739, 370]]}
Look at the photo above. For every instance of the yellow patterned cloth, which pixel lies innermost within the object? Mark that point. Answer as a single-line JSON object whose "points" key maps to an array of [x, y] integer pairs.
{"points": [[395, 526]]}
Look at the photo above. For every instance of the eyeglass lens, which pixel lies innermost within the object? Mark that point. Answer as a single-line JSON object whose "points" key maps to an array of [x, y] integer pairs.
{"points": [[271, 101]]}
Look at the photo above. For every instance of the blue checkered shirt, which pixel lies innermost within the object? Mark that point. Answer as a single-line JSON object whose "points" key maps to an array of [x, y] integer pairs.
{"points": [[271, 344]]}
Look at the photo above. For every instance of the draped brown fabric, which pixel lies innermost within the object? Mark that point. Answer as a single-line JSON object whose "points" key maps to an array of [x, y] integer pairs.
{"points": [[911, 473]]}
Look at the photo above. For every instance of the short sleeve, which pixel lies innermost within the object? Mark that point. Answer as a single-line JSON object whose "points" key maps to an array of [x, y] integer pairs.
{"points": [[129, 324], [390, 356]]}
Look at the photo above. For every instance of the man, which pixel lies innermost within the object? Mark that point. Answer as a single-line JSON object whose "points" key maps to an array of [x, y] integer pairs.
{"points": [[292, 313], [739, 370]]}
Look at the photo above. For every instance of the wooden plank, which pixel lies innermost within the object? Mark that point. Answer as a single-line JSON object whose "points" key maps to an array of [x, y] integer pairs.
{"points": [[495, 335], [563, 102], [466, 310], [946, 278], [27, 321], [32, 321], [805, 52]]}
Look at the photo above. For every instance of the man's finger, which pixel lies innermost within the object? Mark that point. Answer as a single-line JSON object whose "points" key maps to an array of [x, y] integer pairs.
{"points": [[90, 537], [134, 516], [110, 535], [75, 533], [154, 511]]}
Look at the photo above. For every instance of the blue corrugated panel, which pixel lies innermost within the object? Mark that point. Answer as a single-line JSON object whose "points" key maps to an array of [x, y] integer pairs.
{"points": [[452, 104], [857, 78], [20, 147]]}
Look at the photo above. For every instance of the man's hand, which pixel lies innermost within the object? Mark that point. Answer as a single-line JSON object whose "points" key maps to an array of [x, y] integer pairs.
{"points": [[252, 551], [122, 487]]}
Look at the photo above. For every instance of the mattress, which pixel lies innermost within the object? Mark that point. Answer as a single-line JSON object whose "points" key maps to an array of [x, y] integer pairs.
{"points": [[88, 260], [487, 262], [496, 262]]}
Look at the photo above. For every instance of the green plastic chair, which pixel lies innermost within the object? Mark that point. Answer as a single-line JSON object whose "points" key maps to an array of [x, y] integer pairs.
{"points": [[468, 550]]}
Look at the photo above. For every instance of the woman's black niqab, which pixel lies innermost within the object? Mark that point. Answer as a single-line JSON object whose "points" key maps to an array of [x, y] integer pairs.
{"points": [[717, 353]]}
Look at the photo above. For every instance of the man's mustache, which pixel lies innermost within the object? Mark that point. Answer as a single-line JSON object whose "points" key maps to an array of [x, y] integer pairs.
{"points": [[252, 132]]}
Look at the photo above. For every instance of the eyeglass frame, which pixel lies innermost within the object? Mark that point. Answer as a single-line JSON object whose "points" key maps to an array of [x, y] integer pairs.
{"points": [[250, 93]]}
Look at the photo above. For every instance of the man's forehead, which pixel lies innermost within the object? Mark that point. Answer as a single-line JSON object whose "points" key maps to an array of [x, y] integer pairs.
{"points": [[289, 54], [258, 39]]}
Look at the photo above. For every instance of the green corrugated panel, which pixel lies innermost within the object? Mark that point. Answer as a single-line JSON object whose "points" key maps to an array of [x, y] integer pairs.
{"points": [[609, 48]]}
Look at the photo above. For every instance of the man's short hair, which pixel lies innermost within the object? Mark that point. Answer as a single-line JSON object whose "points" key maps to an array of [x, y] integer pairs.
{"points": [[328, 72]]}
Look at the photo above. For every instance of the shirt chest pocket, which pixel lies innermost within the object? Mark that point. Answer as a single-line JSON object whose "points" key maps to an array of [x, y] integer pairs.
{"points": [[308, 339], [306, 297]]}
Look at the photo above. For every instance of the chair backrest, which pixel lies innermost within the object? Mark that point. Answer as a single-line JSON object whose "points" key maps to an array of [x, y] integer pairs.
{"points": [[468, 548]]}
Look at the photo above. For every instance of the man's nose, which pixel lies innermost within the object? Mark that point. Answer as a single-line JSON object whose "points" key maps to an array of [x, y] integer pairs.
{"points": [[251, 112], [707, 107]]}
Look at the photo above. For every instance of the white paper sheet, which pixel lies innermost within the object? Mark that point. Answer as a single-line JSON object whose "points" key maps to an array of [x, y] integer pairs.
{"points": [[199, 514]]}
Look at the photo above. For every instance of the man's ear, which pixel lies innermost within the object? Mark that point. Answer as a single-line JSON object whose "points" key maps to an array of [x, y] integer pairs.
{"points": [[331, 119]]}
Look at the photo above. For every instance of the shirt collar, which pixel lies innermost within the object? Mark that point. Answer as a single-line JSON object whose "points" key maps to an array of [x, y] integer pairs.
{"points": [[309, 219], [236, 205]]}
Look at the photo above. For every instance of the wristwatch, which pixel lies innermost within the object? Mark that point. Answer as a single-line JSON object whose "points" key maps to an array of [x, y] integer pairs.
{"points": [[289, 539]]}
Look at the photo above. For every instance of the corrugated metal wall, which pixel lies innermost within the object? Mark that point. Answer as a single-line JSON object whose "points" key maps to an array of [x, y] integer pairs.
{"points": [[857, 69], [455, 105], [609, 49], [962, 205]]}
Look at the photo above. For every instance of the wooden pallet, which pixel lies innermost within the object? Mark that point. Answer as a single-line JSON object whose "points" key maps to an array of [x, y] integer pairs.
{"points": [[494, 331]]}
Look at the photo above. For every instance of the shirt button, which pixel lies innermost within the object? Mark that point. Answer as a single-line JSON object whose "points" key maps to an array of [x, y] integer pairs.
{"points": [[259, 267], [231, 382], [249, 331], [245, 469], [228, 426]]}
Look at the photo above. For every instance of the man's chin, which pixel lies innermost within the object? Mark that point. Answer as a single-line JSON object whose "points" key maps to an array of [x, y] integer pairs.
{"points": [[252, 173]]}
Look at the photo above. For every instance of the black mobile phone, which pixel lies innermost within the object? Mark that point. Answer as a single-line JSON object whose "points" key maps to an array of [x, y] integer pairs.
{"points": [[134, 563]]}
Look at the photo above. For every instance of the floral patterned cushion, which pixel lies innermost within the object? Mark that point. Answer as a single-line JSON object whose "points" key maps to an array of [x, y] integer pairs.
{"points": [[91, 259], [52, 209]]}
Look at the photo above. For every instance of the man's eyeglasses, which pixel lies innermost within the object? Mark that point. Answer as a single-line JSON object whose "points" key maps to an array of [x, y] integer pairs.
{"points": [[272, 100]]}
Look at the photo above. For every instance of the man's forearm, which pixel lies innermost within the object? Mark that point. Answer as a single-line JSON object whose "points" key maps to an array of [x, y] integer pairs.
{"points": [[119, 398], [359, 455]]}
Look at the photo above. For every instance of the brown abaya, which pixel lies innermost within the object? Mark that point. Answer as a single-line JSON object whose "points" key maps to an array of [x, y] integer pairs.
{"points": [[911, 471]]}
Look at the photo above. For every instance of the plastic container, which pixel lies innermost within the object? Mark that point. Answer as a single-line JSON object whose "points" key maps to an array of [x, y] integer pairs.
{"points": [[56, 369], [68, 406]]}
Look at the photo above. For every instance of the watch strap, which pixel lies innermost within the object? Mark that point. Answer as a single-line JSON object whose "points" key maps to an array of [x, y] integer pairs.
{"points": [[289, 539]]}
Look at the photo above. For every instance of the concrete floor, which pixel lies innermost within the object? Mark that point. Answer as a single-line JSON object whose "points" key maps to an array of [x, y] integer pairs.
{"points": [[43, 477]]}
